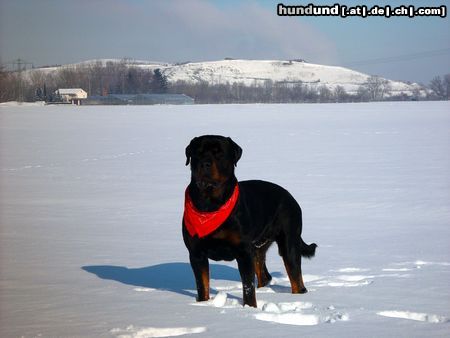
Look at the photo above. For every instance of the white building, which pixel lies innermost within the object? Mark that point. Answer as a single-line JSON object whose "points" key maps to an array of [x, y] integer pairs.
{"points": [[72, 95]]}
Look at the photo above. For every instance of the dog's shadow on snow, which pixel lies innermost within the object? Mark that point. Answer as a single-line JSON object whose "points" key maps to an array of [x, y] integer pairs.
{"points": [[174, 277]]}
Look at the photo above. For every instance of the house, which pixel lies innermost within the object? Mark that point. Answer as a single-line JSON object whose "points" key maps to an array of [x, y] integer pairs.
{"points": [[139, 99], [71, 95]]}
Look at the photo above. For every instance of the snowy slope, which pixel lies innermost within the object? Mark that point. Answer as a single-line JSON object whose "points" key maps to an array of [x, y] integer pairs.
{"points": [[91, 202], [258, 72]]}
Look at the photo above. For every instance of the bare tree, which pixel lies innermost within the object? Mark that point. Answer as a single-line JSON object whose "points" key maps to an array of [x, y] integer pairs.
{"points": [[447, 85], [325, 94], [437, 86], [340, 94], [416, 93], [441, 87], [377, 88], [4, 85]]}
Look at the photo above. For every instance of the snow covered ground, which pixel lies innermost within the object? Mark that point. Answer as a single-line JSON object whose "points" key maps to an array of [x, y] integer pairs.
{"points": [[91, 201]]}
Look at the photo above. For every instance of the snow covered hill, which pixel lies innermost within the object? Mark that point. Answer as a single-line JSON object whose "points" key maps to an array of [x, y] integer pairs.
{"points": [[258, 72]]}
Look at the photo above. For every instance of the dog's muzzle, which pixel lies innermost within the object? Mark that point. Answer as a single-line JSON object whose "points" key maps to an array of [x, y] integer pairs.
{"points": [[202, 184]]}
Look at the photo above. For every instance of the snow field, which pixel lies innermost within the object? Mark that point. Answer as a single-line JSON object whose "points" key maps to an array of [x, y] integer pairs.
{"points": [[132, 332], [90, 223]]}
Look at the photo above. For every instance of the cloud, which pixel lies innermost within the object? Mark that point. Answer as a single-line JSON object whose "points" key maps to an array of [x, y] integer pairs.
{"points": [[200, 30], [177, 30]]}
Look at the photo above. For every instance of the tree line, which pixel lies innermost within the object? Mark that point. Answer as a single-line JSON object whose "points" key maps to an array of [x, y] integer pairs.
{"points": [[95, 79], [121, 78]]}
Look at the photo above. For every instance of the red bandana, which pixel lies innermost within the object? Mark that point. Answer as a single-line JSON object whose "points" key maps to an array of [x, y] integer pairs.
{"points": [[202, 223]]}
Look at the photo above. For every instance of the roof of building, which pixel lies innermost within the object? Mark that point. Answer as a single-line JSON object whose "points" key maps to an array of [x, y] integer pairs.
{"points": [[140, 99], [151, 96], [63, 91]]}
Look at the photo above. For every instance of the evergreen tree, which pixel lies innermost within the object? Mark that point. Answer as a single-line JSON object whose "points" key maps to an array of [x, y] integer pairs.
{"points": [[159, 82]]}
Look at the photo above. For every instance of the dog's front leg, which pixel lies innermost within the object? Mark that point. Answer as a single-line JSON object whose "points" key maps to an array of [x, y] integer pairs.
{"points": [[200, 267], [247, 271]]}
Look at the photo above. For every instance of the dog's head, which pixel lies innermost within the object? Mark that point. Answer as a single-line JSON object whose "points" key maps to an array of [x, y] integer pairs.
{"points": [[212, 160]]}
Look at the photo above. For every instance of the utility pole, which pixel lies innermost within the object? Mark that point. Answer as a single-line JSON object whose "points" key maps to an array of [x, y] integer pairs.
{"points": [[20, 65]]}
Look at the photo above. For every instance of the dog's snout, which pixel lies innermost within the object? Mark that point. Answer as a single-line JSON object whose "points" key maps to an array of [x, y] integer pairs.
{"points": [[206, 165]]}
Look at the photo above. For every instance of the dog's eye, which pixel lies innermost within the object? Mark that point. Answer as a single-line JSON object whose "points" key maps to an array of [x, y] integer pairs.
{"points": [[218, 153]]}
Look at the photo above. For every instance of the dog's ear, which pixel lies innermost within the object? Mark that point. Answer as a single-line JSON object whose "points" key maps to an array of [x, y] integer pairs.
{"points": [[236, 151], [188, 151]]}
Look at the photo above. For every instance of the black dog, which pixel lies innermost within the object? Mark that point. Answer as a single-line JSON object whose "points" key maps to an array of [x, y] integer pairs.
{"points": [[226, 220]]}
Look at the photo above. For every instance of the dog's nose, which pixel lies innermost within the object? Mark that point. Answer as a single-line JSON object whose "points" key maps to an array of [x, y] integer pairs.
{"points": [[206, 165]]}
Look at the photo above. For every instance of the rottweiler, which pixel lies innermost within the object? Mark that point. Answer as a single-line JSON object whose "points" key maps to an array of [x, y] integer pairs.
{"points": [[225, 219]]}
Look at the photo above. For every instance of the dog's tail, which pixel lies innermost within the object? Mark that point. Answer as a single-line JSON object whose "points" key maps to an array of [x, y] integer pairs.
{"points": [[306, 250]]}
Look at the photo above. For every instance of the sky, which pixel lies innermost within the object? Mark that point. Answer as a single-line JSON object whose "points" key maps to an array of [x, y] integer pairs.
{"points": [[48, 32]]}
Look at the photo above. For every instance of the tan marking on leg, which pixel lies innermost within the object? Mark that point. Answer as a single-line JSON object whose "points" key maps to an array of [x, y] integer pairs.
{"points": [[205, 282], [295, 280], [259, 272], [302, 284]]}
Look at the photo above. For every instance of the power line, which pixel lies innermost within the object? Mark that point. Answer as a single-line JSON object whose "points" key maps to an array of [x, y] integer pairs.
{"points": [[19, 64], [404, 57]]}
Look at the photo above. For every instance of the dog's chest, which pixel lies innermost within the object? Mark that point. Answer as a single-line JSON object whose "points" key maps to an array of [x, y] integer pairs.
{"points": [[222, 245], [228, 237]]}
